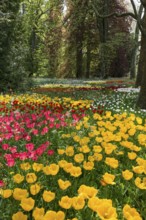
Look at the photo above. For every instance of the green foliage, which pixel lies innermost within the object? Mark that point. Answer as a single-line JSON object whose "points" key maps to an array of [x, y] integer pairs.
{"points": [[110, 54], [13, 51], [40, 38]]}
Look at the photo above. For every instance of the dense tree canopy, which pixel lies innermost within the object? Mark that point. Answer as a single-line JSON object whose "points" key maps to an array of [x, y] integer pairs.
{"points": [[63, 38], [8, 16]]}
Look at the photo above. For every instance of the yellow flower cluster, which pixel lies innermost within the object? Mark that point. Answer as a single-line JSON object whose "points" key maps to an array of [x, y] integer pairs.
{"points": [[44, 99], [99, 160]]}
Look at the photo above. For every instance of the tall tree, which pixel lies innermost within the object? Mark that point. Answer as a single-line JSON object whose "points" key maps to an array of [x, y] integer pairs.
{"points": [[113, 35], [135, 49], [81, 39], [35, 13], [8, 15], [81, 13], [53, 38], [77, 32], [103, 26], [141, 102]]}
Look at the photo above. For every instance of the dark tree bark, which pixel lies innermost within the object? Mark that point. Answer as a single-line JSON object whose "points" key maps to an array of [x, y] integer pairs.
{"points": [[79, 52], [88, 58], [103, 33], [79, 36], [54, 37], [135, 49], [33, 43], [140, 69], [141, 102]]}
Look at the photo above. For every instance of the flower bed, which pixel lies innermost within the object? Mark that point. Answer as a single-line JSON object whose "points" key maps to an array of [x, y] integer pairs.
{"points": [[67, 159]]}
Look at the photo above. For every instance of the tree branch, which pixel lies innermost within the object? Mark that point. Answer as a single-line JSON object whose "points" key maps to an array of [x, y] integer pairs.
{"points": [[138, 15], [114, 14], [42, 13], [143, 3], [134, 8], [139, 19], [135, 15]]}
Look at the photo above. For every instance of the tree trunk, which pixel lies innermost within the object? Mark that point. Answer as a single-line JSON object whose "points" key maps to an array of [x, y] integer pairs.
{"points": [[140, 69], [33, 66], [103, 32], [135, 48], [80, 37], [79, 54], [133, 62], [141, 102], [134, 54], [88, 61]]}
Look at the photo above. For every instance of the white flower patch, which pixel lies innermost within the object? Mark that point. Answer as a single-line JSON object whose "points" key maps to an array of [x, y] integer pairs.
{"points": [[128, 89]]}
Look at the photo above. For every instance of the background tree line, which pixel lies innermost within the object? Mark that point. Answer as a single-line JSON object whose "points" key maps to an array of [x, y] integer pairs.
{"points": [[65, 38]]}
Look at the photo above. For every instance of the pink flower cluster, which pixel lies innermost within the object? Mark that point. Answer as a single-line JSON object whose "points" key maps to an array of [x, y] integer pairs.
{"points": [[30, 152], [25, 129], [25, 135]]}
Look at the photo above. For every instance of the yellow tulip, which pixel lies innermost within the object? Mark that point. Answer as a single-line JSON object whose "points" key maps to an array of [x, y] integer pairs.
{"points": [[18, 178], [48, 196], [88, 165], [5, 193], [52, 215], [84, 141], [138, 169], [25, 166], [31, 177], [38, 213], [140, 183], [79, 157], [127, 175], [106, 211], [93, 203], [132, 155], [85, 149], [37, 167], [19, 193], [131, 213], [69, 151], [97, 157], [68, 167], [78, 202], [62, 163], [112, 162], [54, 169], [34, 189], [97, 148], [75, 171], [63, 184], [18, 216], [27, 204], [87, 191], [108, 178], [46, 170], [60, 151], [65, 202]]}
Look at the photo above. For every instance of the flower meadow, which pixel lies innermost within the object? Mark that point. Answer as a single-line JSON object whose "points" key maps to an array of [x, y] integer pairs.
{"points": [[65, 158]]}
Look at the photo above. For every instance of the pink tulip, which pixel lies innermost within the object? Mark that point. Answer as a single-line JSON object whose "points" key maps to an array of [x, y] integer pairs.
{"points": [[29, 146], [50, 152], [2, 183]]}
